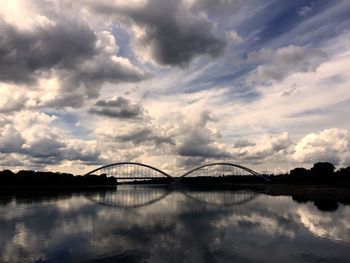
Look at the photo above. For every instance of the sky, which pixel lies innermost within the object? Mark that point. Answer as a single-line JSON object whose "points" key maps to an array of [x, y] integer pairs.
{"points": [[174, 84]]}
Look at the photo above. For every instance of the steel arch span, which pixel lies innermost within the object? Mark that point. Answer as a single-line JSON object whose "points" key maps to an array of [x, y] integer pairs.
{"points": [[135, 171], [227, 169], [131, 171]]}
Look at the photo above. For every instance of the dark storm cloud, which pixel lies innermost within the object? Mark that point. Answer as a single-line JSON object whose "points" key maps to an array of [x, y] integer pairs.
{"points": [[24, 53], [90, 157], [266, 147], [51, 151], [69, 50], [188, 163], [9, 160], [198, 143], [145, 135], [199, 150], [120, 108], [243, 143], [10, 139], [47, 148], [173, 35]]}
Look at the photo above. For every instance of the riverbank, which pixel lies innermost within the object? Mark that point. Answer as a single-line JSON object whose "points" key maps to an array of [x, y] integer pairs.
{"points": [[298, 192], [58, 187]]}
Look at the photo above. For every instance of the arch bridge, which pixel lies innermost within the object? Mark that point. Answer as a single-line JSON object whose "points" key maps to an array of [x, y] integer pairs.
{"points": [[130, 171], [140, 171]]}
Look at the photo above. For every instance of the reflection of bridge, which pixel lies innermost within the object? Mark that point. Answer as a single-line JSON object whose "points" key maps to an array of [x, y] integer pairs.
{"points": [[221, 197], [135, 196], [131, 196], [139, 171]]}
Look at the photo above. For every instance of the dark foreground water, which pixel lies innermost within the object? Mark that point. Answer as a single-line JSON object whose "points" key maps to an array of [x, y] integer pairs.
{"points": [[160, 224]]}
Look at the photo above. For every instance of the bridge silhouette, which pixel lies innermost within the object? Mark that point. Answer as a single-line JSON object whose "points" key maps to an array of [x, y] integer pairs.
{"points": [[140, 171]]}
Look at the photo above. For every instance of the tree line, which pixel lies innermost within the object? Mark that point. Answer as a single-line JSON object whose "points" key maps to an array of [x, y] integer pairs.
{"points": [[32, 178], [321, 172]]}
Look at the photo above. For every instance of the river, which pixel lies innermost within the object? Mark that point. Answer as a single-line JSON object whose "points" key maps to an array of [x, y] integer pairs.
{"points": [[164, 224]]}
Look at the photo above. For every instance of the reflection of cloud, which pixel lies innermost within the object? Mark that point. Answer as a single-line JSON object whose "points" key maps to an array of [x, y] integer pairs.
{"points": [[24, 244], [259, 223], [329, 225], [175, 227]]}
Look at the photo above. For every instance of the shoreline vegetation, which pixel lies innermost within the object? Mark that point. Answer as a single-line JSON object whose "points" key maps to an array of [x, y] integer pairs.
{"points": [[28, 178], [322, 174]]}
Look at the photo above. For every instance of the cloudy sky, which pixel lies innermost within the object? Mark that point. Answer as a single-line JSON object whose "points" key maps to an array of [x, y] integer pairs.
{"points": [[174, 83]]}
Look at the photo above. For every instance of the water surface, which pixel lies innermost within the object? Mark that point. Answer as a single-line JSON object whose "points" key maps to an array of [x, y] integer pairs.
{"points": [[161, 224]]}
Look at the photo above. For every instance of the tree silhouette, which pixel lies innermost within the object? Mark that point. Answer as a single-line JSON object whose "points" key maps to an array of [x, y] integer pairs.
{"points": [[326, 205], [32, 178], [344, 171], [300, 171], [323, 169]]}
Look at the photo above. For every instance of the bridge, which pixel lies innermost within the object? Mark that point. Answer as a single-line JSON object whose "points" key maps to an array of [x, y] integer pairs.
{"points": [[139, 171]]}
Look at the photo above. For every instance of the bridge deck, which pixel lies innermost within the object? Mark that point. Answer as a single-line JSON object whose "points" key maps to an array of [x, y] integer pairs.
{"points": [[145, 178]]}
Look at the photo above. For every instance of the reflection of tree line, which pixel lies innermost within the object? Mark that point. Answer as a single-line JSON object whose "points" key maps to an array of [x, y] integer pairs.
{"points": [[38, 195], [219, 198], [321, 204]]}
